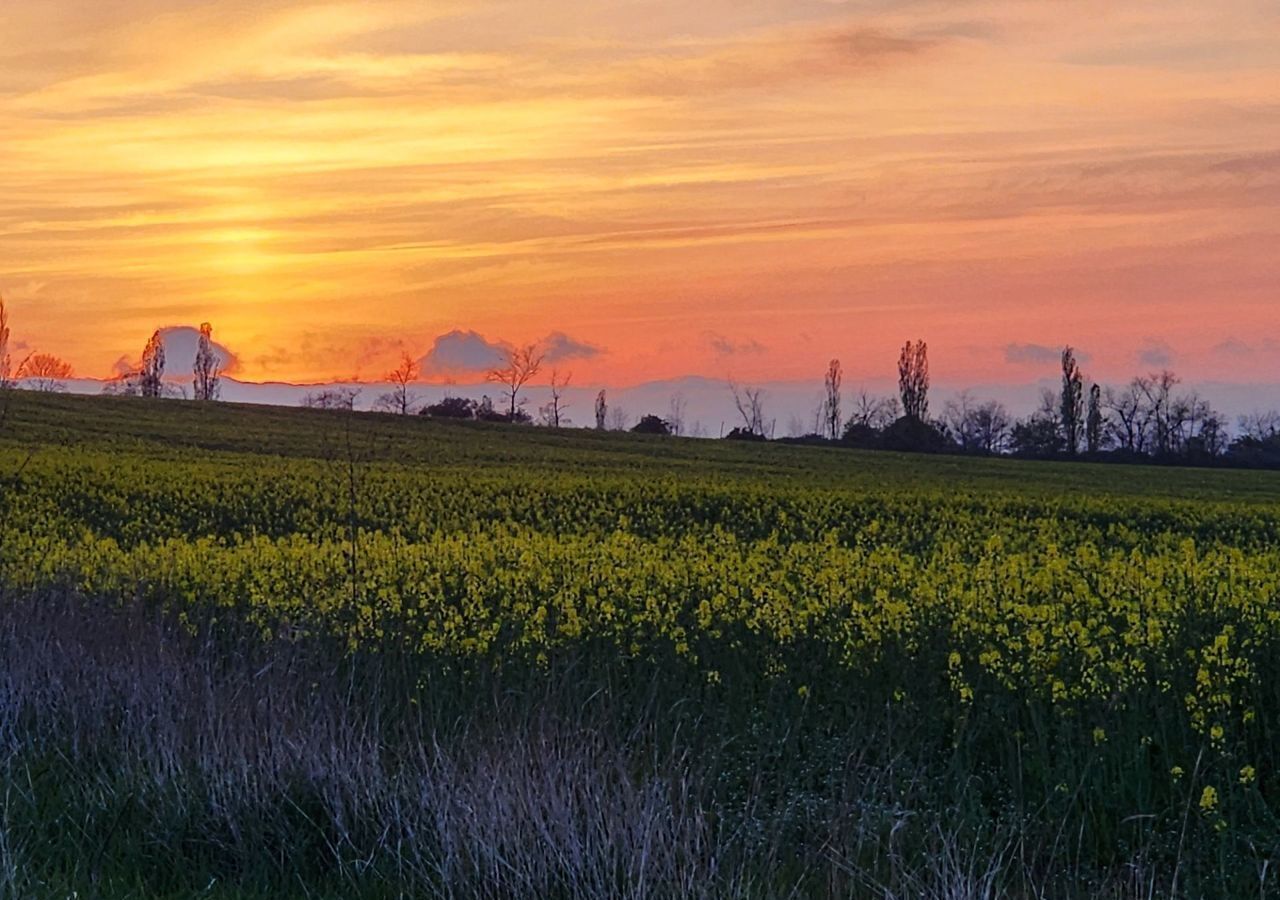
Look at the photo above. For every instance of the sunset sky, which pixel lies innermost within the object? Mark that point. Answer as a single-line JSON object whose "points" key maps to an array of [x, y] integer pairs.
{"points": [[722, 187]]}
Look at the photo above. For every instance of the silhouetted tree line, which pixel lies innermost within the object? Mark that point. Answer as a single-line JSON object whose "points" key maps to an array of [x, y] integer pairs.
{"points": [[1150, 419], [1147, 420]]}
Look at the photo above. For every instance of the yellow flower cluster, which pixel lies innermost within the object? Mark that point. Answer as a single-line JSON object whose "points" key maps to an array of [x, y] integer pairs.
{"points": [[1082, 604]]}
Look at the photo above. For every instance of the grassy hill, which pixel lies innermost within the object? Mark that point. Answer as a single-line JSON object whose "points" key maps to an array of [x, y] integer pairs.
{"points": [[282, 652], [177, 430]]}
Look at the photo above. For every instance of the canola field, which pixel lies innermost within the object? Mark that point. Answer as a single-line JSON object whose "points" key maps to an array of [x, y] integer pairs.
{"points": [[1094, 642]]}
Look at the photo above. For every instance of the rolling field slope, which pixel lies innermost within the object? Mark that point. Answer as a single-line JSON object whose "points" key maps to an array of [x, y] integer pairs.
{"points": [[280, 651]]}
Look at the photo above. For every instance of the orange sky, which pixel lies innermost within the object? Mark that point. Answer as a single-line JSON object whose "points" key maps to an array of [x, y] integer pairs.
{"points": [[742, 187]]}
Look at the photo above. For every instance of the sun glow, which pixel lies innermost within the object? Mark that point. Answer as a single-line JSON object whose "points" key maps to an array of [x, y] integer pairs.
{"points": [[347, 179], [239, 251]]}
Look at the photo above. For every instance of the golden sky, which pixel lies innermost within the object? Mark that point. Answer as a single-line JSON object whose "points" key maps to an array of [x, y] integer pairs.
{"points": [[742, 187]]}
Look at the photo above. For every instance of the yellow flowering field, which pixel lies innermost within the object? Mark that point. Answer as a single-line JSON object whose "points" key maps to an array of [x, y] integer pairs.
{"points": [[1116, 649]]}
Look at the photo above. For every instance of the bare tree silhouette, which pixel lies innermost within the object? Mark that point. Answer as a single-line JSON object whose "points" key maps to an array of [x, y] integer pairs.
{"points": [[602, 411], [874, 411], [517, 370], [913, 380], [1072, 401], [676, 410], [400, 399], [1157, 392], [619, 419], [750, 404], [1129, 425], [978, 427], [8, 372], [207, 370], [553, 412], [1095, 420], [151, 378], [832, 419], [1260, 425], [46, 373]]}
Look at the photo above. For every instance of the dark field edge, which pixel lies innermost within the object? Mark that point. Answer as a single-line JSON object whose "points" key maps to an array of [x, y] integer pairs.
{"points": [[179, 430]]}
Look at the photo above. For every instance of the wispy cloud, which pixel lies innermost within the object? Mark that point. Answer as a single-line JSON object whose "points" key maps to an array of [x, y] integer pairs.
{"points": [[1031, 354], [1233, 347], [724, 346], [1017, 354], [328, 181], [1240, 349], [1156, 353]]}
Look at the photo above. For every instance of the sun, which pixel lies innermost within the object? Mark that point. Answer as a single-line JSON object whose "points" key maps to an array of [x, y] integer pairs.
{"points": [[239, 251]]}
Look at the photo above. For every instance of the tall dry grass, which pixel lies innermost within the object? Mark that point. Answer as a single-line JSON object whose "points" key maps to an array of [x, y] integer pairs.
{"points": [[146, 756]]}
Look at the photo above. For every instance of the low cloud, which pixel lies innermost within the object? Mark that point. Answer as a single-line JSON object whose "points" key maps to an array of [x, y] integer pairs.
{"points": [[1238, 349], [1031, 354], [1156, 353], [470, 352], [180, 344], [1038, 355], [724, 346], [1233, 347], [376, 349], [461, 353], [559, 347]]}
